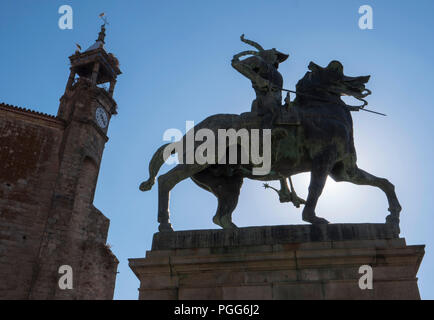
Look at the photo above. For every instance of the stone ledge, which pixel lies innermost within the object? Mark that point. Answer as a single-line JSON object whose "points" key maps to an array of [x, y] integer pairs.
{"points": [[271, 235], [285, 259], [279, 262]]}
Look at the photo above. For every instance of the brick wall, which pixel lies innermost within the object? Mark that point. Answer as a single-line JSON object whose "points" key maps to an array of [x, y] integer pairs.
{"points": [[41, 225]]}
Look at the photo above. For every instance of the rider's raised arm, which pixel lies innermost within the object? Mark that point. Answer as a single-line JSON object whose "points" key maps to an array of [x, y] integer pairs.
{"points": [[250, 68]]}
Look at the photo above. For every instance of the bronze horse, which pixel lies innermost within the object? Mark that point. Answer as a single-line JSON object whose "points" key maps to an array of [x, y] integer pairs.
{"points": [[322, 143]]}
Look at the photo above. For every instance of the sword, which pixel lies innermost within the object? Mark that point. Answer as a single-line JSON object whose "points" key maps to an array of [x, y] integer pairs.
{"points": [[367, 110]]}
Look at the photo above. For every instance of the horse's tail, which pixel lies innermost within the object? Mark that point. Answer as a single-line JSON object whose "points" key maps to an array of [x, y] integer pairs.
{"points": [[154, 166]]}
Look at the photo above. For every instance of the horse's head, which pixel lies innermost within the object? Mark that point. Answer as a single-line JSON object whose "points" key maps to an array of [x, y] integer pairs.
{"points": [[330, 82]]}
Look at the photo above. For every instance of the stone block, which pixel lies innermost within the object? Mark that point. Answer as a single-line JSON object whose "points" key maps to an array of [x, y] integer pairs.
{"points": [[158, 294], [200, 293], [263, 292], [280, 262], [298, 291], [346, 290]]}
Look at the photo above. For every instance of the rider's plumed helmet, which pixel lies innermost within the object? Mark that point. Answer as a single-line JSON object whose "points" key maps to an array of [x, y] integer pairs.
{"points": [[271, 56]]}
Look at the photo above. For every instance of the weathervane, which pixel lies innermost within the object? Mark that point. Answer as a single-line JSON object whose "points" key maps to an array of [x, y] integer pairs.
{"points": [[101, 35], [103, 18]]}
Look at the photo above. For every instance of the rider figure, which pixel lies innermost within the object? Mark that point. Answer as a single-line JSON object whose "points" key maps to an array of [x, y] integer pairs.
{"points": [[261, 69], [267, 82]]}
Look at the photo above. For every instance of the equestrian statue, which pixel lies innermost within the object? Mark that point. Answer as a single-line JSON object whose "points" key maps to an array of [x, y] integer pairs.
{"points": [[313, 133]]}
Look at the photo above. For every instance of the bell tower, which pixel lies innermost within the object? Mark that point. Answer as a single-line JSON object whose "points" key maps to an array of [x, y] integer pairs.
{"points": [[87, 107], [97, 69], [76, 231]]}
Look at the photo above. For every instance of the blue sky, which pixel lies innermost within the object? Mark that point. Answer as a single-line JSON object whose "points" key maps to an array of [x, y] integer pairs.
{"points": [[175, 57]]}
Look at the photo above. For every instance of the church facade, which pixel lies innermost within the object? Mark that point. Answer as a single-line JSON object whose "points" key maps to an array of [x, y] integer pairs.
{"points": [[48, 175]]}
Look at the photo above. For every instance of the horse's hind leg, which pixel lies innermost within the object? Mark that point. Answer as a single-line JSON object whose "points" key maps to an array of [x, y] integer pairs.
{"points": [[227, 195], [360, 177], [166, 182], [227, 191]]}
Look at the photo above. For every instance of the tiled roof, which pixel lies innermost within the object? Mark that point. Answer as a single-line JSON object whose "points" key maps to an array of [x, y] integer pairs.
{"points": [[25, 110]]}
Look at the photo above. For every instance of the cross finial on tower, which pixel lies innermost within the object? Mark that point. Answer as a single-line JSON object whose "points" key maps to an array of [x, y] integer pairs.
{"points": [[101, 35], [103, 18]]}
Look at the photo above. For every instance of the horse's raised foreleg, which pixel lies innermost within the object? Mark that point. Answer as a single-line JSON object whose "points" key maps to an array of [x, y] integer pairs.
{"points": [[284, 192], [360, 177], [166, 182]]}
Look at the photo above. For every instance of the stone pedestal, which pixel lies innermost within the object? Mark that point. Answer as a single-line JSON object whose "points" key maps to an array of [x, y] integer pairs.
{"points": [[279, 262]]}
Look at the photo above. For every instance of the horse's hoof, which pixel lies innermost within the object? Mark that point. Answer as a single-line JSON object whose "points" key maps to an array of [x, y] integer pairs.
{"points": [[146, 185], [216, 221], [300, 200], [320, 221], [285, 198], [226, 223], [232, 226], [393, 222], [296, 201], [392, 219], [317, 220], [165, 227]]}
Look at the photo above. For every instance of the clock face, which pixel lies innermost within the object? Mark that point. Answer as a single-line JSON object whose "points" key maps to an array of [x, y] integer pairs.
{"points": [[101, 117]]}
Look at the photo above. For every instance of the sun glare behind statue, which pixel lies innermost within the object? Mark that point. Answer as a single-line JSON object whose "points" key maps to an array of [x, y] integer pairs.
{"points": [[343, 202], [340, 202]]}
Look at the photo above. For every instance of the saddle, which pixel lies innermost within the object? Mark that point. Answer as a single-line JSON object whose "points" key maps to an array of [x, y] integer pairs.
{"points": [[285, 116]]}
